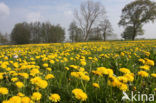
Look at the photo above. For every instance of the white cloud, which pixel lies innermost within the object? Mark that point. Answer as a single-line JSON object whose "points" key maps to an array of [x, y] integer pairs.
{"points": [[34, 16], [68, 13], [4, 10]]}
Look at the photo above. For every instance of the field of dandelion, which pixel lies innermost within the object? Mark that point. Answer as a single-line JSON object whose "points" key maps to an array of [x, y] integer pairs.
{"points": [[92, 72]]}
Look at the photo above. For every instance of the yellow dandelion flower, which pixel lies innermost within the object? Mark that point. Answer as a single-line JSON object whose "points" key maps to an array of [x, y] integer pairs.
{"points": [[66, 68], [36, 96], [130, 77], [15, 99], [52, 61], [19, 84], [74, 74], [79, 94], [143, 74], [14, 79], [49, 69], [122, 79], [149, 62], [49, 76], [153, 75], [142, 61], [85, 77], [145, 67], [124, 70], [6, 101], [3, 90], [82, 69], [123, 87], [45, 65], [83, 63], [33, 72], [16, 65], [96, 85], [20, 94], [25, 75], [54, 98], [25, 100], [39, 82], [1, 75]]}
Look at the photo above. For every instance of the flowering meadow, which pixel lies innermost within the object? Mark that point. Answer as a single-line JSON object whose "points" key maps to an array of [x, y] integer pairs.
{"points": [[90, 72]]}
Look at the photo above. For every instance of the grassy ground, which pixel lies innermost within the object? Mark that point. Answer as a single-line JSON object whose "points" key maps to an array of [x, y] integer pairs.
{"points": [[89, 72]]}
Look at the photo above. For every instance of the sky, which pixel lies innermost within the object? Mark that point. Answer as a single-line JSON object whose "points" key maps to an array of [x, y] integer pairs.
{"points": [[60, 12]]}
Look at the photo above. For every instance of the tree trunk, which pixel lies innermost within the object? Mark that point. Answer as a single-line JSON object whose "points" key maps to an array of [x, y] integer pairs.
{"points": [[104, 36], [85, 39], [86, 36], [134, 34]]}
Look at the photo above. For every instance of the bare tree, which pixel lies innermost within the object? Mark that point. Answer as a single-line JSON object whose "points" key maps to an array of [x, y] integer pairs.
{"points": [[106, 28], [88, 16]]}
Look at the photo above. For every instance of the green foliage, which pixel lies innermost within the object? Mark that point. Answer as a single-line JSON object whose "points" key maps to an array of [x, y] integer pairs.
{"points": [[56, 34], [37, 32], [136, 14], [127, 34], [21, 34]]}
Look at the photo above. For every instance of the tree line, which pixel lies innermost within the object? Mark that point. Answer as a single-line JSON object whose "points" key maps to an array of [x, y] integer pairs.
{"points": [[37, 32], [90, 23]]}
